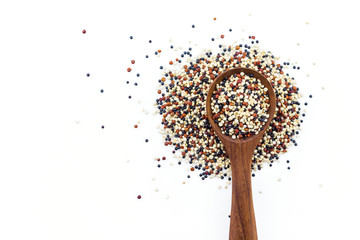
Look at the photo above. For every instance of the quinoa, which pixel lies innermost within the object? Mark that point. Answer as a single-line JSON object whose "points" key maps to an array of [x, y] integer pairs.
{"points": [[239, 105], [182, 106]]}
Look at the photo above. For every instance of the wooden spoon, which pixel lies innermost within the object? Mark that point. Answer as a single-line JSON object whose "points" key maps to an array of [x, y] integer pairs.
{"points": [[240, 151]]}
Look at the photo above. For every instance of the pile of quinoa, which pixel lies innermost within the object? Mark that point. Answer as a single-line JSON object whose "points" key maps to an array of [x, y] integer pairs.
{"points": [[181, 103], [239, 105]]}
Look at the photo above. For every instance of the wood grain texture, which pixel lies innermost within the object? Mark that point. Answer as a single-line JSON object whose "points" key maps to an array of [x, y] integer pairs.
{"points": [[240, 151]]}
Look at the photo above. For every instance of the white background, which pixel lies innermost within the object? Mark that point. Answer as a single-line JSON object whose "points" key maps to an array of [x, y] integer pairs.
{"points": [[63, 177]]}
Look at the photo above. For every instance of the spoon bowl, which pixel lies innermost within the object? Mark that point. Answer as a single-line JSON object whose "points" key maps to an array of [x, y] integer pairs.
{"points": [[240, 152]]}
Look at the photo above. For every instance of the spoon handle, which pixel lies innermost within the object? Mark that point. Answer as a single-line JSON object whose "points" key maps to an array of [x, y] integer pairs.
{"points": [[242, 219]]}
